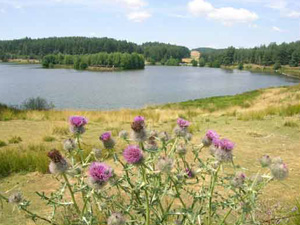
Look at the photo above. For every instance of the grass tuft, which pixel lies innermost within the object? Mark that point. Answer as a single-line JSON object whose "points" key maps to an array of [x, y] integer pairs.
{"points": [[49, 139], [60, 130], [15, 140]]}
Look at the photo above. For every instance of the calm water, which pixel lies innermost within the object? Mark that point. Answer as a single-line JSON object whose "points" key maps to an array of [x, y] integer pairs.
{"points": [[127, 89]]}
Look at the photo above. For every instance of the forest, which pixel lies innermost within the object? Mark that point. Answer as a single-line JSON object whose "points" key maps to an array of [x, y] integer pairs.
{"points": [[28, 48], [273, 54], [115, 60]]}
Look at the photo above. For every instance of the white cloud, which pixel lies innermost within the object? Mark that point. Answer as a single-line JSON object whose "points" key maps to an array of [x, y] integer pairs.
{"points": [[277, 29], [226, 15], [293, 14], [133, 3], [2, 11], [285, 7], [229, 16], [138, 16], [200, 7]]}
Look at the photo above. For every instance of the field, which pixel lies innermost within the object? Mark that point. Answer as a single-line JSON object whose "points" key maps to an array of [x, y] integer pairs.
{"points": [[259, 122]]}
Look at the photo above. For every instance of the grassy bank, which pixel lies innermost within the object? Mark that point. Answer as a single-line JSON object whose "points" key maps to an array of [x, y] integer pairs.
{"points": [[284, 70], [260, 122]]}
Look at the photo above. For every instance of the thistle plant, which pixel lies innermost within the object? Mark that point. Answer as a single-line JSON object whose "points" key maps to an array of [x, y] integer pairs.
{"points": [[177, 182]]}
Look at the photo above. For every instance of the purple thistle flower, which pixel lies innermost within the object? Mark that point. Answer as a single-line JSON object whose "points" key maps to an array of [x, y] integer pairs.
{"points": [[99, 174], [211, 135], [107, 140], [105, 136], [139, 119], [190, 173], [138, 129], [216, 142], [183, 123], [77, 124], [226, 145], [133, 154], [77, 121]]}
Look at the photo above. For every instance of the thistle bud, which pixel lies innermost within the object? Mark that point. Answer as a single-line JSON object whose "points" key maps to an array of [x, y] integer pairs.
{"points": [[116, 219], [15, 198]]}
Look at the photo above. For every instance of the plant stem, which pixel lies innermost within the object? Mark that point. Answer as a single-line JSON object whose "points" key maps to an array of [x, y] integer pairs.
{"points": [[147, 198], [72, 193], [212, 187]]}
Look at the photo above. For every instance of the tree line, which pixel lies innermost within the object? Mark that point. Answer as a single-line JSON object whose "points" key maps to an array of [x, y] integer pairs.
{"points": [[28, 48], [273, 54], [103, 59]]}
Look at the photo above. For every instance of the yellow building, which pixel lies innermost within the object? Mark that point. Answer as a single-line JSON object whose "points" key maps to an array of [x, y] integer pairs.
{"points": [[193, 55]]}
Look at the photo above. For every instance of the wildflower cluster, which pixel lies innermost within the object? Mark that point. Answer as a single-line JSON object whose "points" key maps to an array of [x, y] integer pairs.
{"points": [[158, 178]]}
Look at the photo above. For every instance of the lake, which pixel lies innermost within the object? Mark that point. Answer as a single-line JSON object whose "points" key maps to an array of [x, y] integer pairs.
{"points": [[71, 89]]}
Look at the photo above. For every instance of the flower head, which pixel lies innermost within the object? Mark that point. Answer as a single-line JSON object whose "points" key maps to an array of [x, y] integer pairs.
{"points": [[69, 145], [133, 154], [181, 149], [139, 119], [265, 161], [15, 198], [238, 180], [123, 134], [77, 121], [190, 173], [226, 145], [58, 164], [77, 124], [279, 171], [107, 140], [99, 174], [163, 136], [165, 164], [105, 136], [116, 219], [183, 123], [209, 137]]}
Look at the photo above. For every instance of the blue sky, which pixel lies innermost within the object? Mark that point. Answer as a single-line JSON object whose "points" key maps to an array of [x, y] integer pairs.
{"points": [[193, 23]]}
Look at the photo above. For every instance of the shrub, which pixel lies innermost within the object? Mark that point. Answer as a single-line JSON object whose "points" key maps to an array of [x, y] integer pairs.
{"points": [[15, 140], [37, 103], [276, 66], [194, 62], [154, 183], [241, 66]]}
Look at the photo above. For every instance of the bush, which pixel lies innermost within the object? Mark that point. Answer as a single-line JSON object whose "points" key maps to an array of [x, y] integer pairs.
{"points": [[241, 66], [194, 62], [202, 62], [37, 103], [155, 182], [276, 66]]}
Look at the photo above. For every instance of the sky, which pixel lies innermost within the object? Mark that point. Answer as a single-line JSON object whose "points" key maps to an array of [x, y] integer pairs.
{"points": [[192, 23]]}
